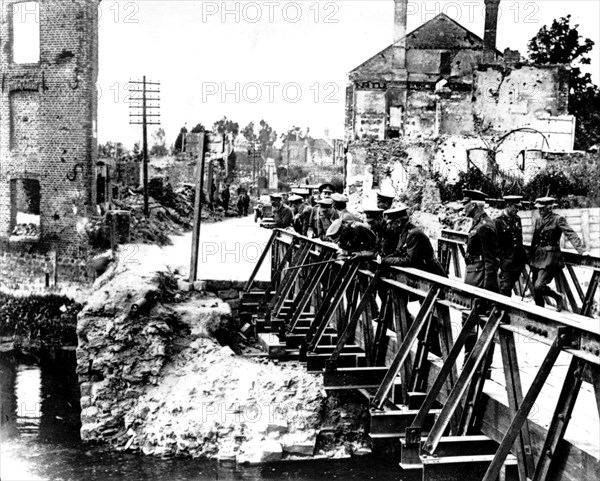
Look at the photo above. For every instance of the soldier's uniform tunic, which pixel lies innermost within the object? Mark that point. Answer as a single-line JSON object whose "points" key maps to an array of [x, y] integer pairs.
{"points": [[545, 257], [356, 236], [512, 253], [282, 217], [302, 219], [482, 254], [324, 222], [411, 248]]}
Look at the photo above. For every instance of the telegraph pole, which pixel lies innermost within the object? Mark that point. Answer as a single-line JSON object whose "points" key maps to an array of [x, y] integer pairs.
{"points": [[134, 119]]}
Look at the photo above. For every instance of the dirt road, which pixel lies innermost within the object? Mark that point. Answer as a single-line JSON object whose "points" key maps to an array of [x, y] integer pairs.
{"points": [[229, 250]]}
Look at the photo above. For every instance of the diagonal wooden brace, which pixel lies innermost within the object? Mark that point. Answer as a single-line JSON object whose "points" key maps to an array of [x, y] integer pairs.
{"points": [[521, 416], [514, 392], [445, 371], [560, 419], [473, 362], [405, 347], [331, 363], [274, 280], [306, 291], [288, 281], [339, 288], [262, 258]]}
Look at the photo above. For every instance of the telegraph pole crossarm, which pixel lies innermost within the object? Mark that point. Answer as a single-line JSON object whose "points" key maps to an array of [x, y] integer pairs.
{"points": [[144, 115]]}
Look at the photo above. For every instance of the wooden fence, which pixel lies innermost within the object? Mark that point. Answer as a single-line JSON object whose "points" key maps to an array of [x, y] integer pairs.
{"points": [[586, 222]]}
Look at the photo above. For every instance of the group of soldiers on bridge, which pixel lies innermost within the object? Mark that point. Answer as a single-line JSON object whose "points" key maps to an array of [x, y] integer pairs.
{"points": [[495, 255]]}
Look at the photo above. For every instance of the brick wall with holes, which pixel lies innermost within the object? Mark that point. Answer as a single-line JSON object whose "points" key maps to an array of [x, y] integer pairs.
{"points": [[48, 111]]}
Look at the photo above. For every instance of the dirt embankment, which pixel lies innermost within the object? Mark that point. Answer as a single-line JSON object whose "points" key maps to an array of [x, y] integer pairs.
{"points": [[157, 381]]}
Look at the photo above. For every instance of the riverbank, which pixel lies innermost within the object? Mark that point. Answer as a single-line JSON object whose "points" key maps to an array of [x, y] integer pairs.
{"points": [[154, 379]]}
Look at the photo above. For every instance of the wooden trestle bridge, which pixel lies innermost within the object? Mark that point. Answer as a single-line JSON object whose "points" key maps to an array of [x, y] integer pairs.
{"points": [[397, 337]]}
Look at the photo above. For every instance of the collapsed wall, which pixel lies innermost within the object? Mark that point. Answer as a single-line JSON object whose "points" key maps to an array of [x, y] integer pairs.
{"points": [[156, 380]]}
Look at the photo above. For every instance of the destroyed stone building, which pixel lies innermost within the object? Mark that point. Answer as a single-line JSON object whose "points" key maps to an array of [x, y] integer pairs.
{"points": [[452, 98], [442, 79], [48, 112]]}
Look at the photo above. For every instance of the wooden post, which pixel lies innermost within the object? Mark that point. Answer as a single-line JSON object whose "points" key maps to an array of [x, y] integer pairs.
{"points": [[197, 210], [54, 261]]}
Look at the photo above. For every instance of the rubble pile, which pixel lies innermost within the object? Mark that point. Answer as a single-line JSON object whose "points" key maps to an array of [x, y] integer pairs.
{"points": [[26, 230], [155, 380], [171, 213]]}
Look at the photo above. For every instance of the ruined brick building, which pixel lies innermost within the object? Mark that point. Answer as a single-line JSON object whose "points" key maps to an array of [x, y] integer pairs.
{"points": [[48, 112], [442, 79]]}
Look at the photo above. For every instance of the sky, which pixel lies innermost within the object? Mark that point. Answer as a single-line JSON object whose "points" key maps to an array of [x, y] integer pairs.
{"points": [[284, 62]]}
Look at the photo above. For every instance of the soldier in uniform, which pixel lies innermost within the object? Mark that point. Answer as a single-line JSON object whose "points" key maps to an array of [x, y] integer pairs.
{"points": [[340, 202], [325, 192], [510, 245], [325, 216], [482, 245], [353, 237], [545, 257], [385, 200], [407, 245], [282, 214], [374, 219], [301, 213], [481, 255]]}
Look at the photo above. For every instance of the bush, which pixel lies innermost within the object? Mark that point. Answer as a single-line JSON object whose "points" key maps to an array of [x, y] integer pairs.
{"points": [[572, 180]]}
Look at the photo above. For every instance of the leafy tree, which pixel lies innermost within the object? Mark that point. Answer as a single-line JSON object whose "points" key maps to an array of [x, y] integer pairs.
{"points": [[561, 43], [198, 128], [248, 132], [113, 150], [179, 141], [267, 137], [159, 148], [136, 153], [295, 133], [226, 126]]}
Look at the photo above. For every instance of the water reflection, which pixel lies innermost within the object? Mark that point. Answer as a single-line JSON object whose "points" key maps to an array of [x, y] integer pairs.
{"points": [[40, 439]]}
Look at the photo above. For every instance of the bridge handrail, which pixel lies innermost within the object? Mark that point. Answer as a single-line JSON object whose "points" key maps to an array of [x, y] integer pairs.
{"points": [[540, 323], [570, 256]]}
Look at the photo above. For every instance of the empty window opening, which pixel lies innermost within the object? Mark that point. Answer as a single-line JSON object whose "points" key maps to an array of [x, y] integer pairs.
{"points": [[445, 63], [25, 208], [26, 32]]}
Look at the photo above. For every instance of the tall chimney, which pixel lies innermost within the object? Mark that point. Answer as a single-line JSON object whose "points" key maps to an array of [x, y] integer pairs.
{"points": [[399, 48], [491, 27]]}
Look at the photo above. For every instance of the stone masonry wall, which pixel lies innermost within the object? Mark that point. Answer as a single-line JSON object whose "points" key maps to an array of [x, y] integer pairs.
{"points": [[29, 272], [48, 114], [156, 381]]}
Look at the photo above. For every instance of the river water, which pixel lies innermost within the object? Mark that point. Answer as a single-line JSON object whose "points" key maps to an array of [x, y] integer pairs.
{"points": [[40, 439]]}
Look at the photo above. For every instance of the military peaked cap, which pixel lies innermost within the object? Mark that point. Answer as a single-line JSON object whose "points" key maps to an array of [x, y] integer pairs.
{"points": [[302, 192], [334, 228], [513, 199], [373, 212], [544, 201], [325, 202], [473, 195], [389, 196], [339, 197], [295, 198], [396, 213], [275, 196], [324, 187]]}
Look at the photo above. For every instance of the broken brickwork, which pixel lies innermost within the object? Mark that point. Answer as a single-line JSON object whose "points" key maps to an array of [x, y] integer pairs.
{"points": [[48, 112]]}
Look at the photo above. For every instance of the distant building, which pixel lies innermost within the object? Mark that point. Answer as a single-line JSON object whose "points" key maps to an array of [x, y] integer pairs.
{"points": [[303, 151]]}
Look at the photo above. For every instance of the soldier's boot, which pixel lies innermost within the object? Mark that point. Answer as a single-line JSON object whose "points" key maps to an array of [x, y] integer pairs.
{"points": [[560, 302]]}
